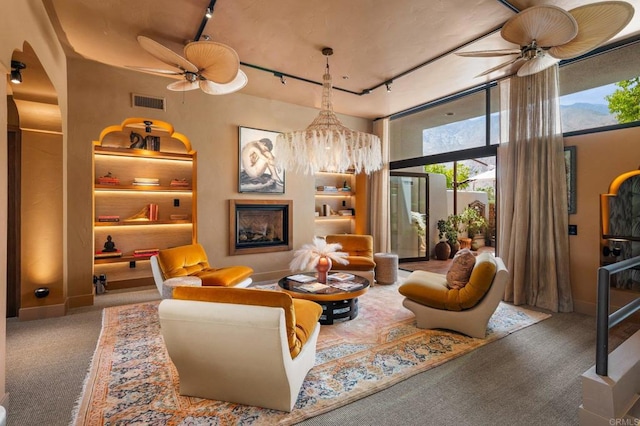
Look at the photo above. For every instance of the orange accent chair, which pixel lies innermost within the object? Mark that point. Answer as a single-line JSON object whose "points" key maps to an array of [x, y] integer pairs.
{"points": [[360, 250]]}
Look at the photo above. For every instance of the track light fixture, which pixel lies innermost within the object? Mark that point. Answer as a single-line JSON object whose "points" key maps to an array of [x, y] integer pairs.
{"points": [[209, 13], [16, 76], [388, 84], [282, 79]]}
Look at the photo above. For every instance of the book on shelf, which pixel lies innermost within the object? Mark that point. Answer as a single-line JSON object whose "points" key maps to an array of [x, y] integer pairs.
{"points": [[108, 181], [153, 211], [146, 252], [326, 188], [312, 287], [179, 182], [108, 218], [106, 254], [301, 278], [146, 181], [341, 276]]}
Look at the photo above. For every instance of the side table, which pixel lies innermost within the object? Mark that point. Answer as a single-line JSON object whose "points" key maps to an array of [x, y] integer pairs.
{"points": [[386, 267]]}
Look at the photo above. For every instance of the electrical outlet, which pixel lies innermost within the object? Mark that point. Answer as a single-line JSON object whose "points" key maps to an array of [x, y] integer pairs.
{"points": [[573, 229], [176, 202]]}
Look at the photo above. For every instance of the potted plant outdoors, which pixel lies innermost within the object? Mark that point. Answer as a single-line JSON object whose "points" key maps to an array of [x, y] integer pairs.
{"points": [[454, 223], [443, 249], [476, 224]]}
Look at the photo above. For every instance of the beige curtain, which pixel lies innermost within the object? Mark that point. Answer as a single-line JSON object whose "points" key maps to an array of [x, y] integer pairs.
{"points": [[533, 237], [380, 193]]}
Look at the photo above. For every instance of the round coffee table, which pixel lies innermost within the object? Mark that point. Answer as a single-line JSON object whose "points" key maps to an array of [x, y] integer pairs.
{"points": [[337, 303]]}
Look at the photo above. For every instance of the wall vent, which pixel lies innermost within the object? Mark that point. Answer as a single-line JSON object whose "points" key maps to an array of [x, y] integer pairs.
{"points": [[145, 101]]}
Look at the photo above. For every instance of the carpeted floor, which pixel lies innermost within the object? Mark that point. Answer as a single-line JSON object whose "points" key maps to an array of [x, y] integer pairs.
{"points": [[530, 377], [133, 381]]}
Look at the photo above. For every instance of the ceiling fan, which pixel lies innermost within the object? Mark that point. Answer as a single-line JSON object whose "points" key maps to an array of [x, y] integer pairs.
{"points": [[547, 34], [212, 67]]}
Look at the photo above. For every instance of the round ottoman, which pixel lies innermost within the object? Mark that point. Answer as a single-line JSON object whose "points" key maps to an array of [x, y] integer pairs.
{"points": [[171, 283], [386, 268]]}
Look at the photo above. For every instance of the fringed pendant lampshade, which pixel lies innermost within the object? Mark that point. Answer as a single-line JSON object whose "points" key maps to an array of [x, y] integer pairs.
{"points": [[327, 145]]}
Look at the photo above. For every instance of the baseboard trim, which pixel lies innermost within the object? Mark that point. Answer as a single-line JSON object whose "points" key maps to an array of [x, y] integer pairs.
{"points": [[80, 301], [42, 312]]}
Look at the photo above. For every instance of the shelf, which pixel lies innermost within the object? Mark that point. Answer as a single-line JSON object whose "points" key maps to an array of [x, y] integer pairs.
{"points": [[142, 153], [143, 222], [120, 259], [142, 188], [335, 194], [336, 217]]}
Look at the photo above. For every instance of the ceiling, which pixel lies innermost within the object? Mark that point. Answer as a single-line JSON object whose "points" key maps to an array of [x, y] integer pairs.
{"points": [[374, 41]]}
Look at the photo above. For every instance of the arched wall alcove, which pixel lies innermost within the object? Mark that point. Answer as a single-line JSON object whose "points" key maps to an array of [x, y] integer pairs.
{"points": [[40, 251]]}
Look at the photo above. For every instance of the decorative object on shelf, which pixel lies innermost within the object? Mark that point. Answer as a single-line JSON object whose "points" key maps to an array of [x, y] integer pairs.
{"points": [[318, 255], [257, 167], [326, 144], [143, 214], [109, 250], [108, 179], [109, 245]]}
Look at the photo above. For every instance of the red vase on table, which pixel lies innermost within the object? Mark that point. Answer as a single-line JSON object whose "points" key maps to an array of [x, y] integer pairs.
{"points": [[323, 267]]}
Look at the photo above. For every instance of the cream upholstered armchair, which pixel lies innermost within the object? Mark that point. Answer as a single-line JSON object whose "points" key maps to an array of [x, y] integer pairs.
{"points": [[466, 310], [247, 346], [188, 265], [360, 250]]}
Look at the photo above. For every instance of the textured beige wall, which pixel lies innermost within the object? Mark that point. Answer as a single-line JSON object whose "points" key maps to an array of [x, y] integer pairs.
{"points": [[600, 158], [25, 21], [100, 96], [41, 220]]}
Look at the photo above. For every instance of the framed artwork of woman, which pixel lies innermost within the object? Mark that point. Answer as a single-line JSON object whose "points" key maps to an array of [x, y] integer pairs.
{"points": [[256, 155]]}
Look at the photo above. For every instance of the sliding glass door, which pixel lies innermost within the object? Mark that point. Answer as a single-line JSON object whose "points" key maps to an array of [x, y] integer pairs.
{"points": [[409, 215]]}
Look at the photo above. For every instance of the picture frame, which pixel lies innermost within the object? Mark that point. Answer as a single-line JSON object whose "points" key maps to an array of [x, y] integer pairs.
{"points": [[257, 172], [570, 167]]}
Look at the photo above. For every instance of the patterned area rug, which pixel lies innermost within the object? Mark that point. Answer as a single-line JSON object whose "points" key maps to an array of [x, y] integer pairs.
{"points": [[131, 379]]}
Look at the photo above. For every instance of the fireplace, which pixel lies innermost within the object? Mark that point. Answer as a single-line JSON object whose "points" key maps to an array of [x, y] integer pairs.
{"points": [[260, 226]]}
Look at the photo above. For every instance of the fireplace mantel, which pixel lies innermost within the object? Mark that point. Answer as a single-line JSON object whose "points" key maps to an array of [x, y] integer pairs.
{"points": [[260, 226]]}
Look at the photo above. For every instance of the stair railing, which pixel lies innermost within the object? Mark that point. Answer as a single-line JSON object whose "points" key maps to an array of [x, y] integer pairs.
{"points": [[604, 320]]}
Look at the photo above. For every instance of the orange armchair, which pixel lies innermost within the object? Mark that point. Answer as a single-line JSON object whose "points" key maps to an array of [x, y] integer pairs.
{"points": [[360, 250], [185, 263]]}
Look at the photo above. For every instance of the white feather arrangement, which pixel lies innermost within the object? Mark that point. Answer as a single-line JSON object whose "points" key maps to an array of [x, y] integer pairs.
{"points": [[308, 255]]}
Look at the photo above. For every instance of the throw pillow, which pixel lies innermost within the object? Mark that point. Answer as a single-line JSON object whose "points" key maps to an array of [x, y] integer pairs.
{"points": [[460, 269]]}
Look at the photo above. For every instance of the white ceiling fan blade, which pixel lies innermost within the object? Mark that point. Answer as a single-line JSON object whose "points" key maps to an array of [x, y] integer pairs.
{"points": [[182, 86], [597, 23], [216, 62], [489, 53], [165, 54], [236, 84], [547, 25], [536, 65], [496, 68]]}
